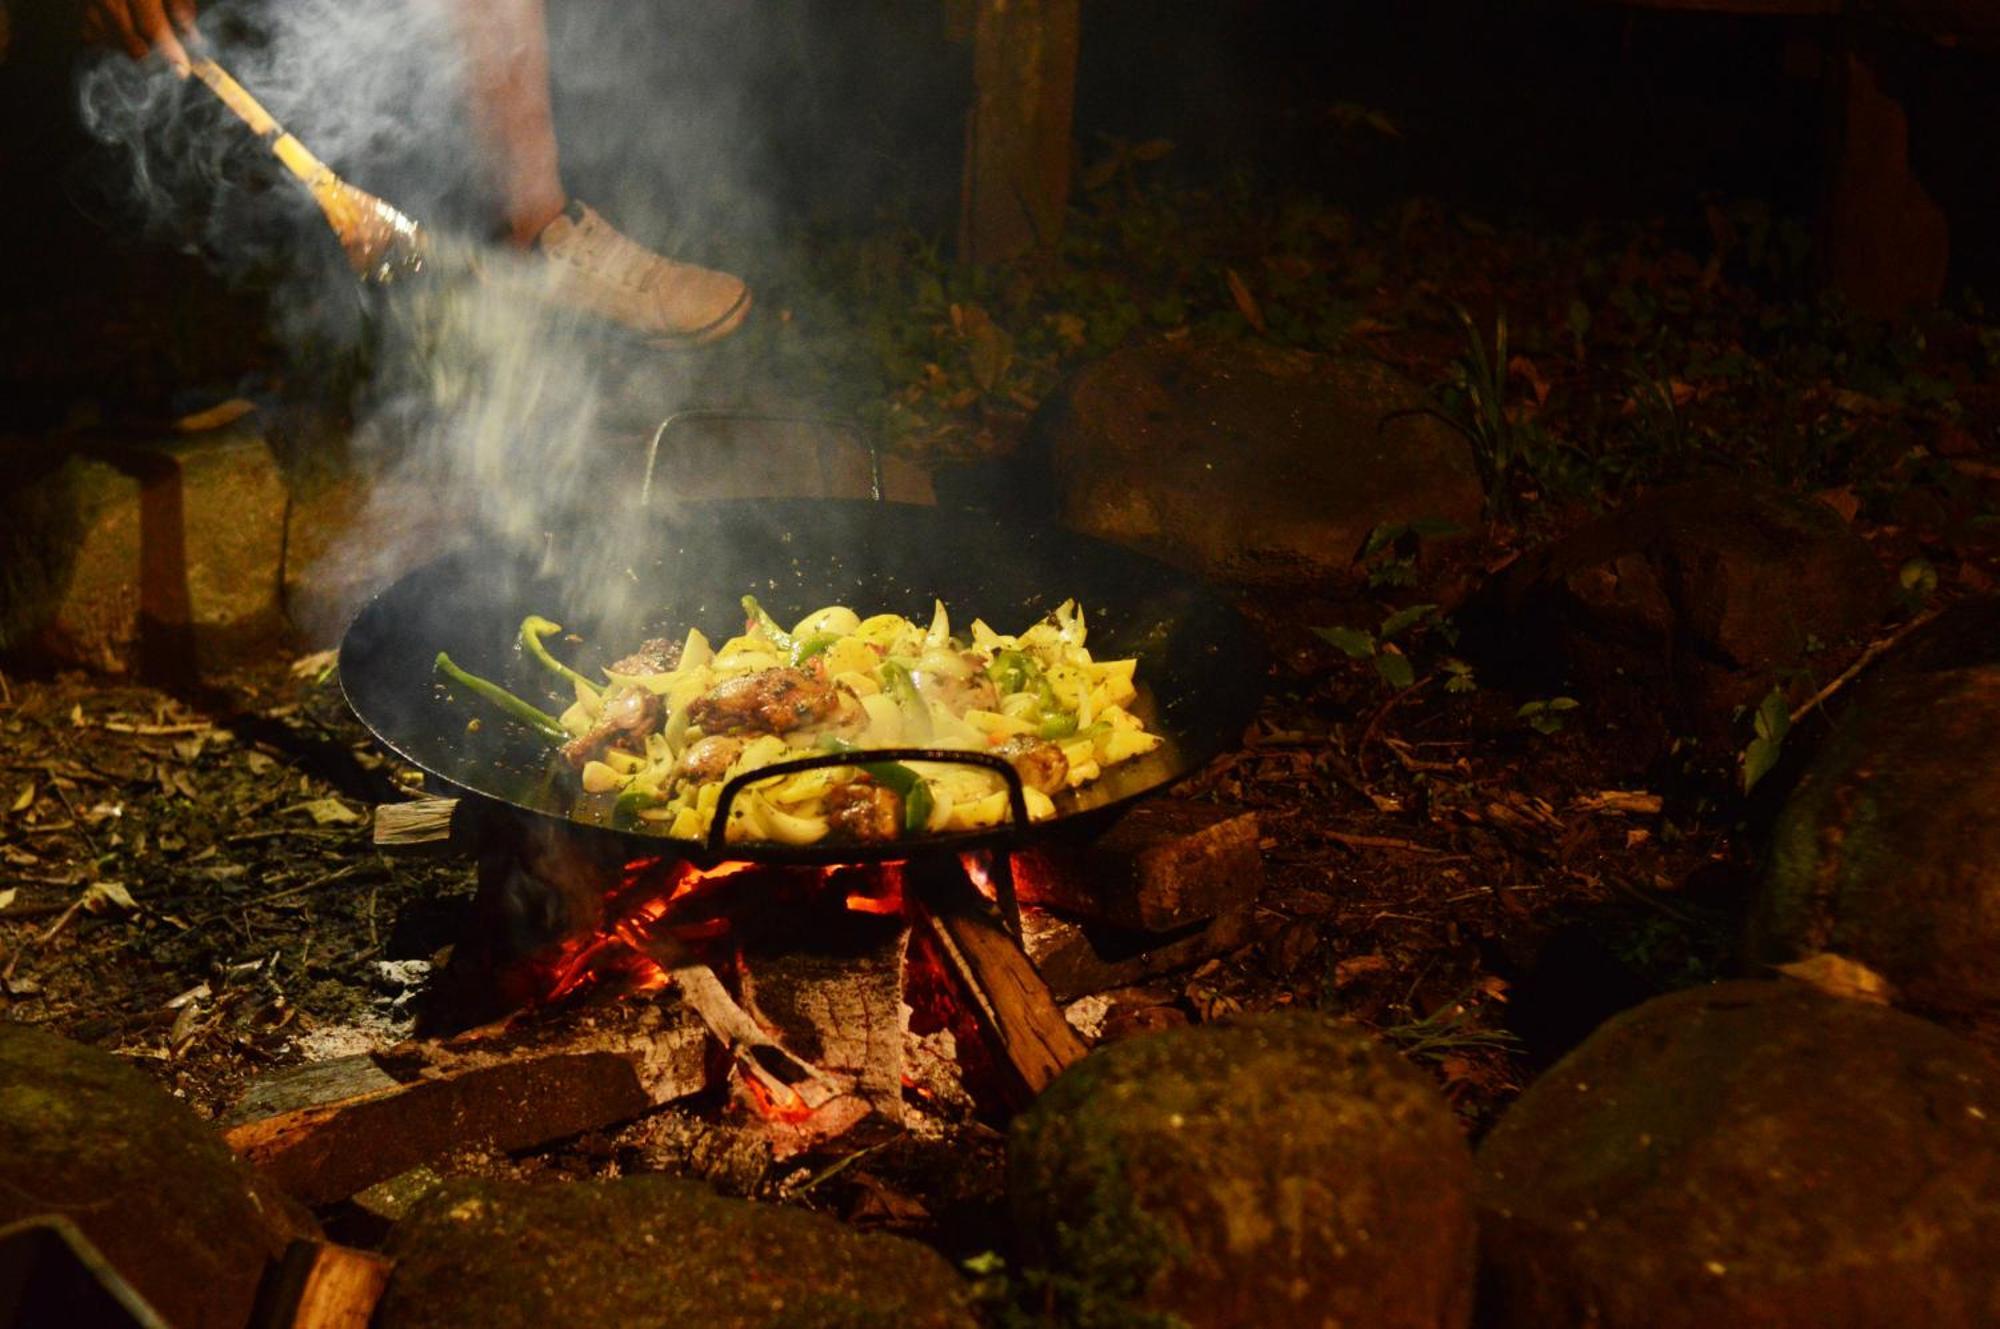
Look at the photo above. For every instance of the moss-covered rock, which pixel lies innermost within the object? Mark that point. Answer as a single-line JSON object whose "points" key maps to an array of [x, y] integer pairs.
{"points": [[147, 1181], [1702, 593], [652, 1251], [1248, 462], [1888, 852], [1749, 1154], [1275, 1170]]}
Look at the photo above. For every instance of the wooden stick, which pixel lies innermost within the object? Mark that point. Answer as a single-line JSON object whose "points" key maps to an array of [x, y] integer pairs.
{"points": [[1853, 671]]}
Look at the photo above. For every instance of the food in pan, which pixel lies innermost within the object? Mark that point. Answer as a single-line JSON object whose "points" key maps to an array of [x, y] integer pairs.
{"points": [[672, 722]]}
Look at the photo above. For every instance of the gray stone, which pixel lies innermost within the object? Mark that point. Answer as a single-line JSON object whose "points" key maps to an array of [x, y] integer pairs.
{"points": [[1701, 593], [145, 1180], [1248, 463], [1275, 1170], [1888, 852], [651, 1251], [1748, 1154]]}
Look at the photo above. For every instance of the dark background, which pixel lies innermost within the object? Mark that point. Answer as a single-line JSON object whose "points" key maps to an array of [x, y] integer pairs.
{"points": [[1557, 112]]}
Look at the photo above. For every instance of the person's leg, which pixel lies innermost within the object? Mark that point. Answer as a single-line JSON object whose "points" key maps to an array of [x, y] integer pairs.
{"points": [[506, 49], [592, 265]]}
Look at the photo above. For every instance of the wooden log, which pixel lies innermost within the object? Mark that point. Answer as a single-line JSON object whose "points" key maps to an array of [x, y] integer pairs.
{"points": [[325, 1132], [835, 999], [421, 825], [1017, 134], [318, 1285], [1076, 959], [1013, 1003], [1165, 864]]}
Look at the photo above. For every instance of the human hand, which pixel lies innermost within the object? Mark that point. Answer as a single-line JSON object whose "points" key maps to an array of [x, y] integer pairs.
{"points": [[141, 26]]}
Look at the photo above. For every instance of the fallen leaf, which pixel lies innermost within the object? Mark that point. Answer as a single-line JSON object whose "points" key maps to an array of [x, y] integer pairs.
{"points": [[103, 895], [1842, 500], [312, 666], [1522, 367], [328, 812], [7, 896], [76, 716], [26, 799], [1359, 966], [223, 413], [1246, 303], [1838, 976]]}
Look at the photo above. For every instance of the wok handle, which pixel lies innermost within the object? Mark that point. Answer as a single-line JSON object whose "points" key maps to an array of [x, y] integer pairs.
{"points": [[1001, 876], [679, 420]]}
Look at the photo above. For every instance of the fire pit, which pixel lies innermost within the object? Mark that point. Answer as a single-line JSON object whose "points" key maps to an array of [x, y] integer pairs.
{"points": [[790, 992]]}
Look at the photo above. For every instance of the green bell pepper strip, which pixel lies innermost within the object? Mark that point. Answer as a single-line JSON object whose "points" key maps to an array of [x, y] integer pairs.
{"points": [[759, 617], [1017, 671], [538, 720], [533, 628], [912, 788], [807, 647], [625, 812], [1060, 725]]}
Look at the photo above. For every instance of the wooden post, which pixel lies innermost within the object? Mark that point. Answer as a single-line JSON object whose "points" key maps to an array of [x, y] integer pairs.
{"points": [[1017, 134]]}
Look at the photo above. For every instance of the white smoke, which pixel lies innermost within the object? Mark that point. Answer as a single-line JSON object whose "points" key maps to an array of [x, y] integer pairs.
{"points": [[481, 397]]}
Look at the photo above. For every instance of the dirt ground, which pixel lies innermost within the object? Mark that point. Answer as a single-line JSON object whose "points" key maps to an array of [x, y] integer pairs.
{"points": [[193, 884]]}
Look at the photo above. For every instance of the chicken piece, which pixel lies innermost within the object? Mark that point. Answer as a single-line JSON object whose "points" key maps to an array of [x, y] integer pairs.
{"points": [[709, 758], [623, 722], [656, 655], [865, 812], [1041, 764], [771, 701], [957, 689]]}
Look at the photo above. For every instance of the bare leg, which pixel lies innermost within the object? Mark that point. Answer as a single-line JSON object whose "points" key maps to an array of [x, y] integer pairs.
{"points": [[506, 45]]}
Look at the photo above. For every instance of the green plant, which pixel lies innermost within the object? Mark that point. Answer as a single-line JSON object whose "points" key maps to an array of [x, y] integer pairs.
{"points": [[1452, 1027], [1390, 662], [1390, 553], [1772, 720], [1506, 450], [1546, 715]]}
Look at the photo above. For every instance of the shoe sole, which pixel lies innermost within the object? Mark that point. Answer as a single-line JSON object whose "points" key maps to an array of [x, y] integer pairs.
{"points": [[724, 325]]}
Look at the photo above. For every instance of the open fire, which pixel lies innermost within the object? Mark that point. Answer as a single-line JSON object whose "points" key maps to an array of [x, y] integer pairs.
{"points": [[831, 994]]}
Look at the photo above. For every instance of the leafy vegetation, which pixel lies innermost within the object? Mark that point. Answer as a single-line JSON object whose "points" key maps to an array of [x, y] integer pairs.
{"points": [[1613, 358]]}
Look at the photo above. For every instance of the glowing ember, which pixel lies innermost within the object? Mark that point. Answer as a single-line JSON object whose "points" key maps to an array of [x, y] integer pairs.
{"points": [[660, 907]]}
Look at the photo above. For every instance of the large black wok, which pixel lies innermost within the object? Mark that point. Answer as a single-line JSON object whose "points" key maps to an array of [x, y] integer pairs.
{"points": [[1199, 672]]}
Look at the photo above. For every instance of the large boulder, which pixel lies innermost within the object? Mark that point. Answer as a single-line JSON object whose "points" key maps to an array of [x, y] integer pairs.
{"points": [[1248, 463], [1702, 594], [1748, 1154], [651, 1251], [1275, 1170], [149, 1183], [1888, 852]]}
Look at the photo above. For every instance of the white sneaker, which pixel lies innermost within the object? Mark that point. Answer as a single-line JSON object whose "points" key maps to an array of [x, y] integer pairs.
{"points": [[597, 268]]}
